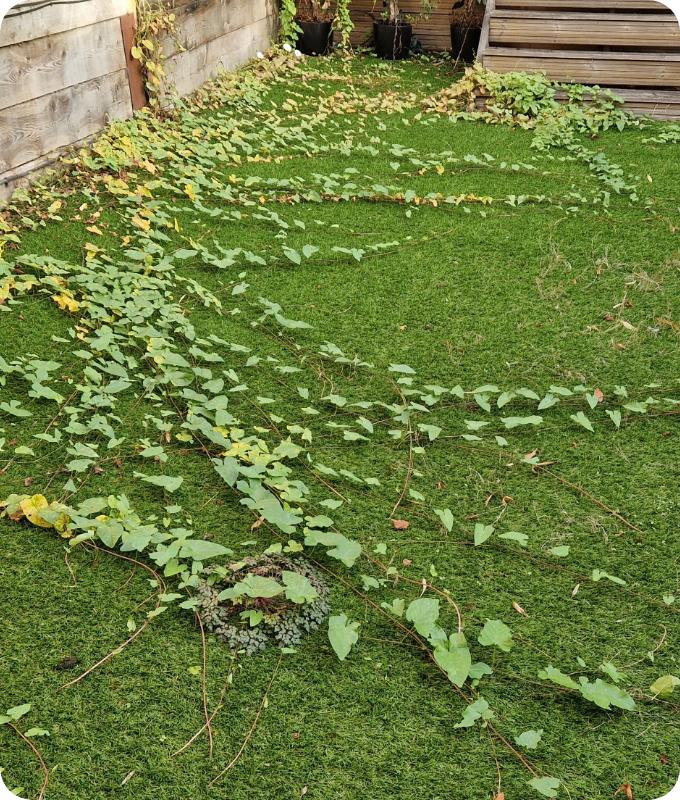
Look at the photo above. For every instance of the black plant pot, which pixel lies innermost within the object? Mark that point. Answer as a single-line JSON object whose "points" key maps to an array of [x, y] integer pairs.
{"points": [[465, 42], [316, 38], [392, 40]]}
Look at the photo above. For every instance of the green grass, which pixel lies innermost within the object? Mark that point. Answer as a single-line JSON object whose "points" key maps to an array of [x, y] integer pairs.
{"points": [[518, 297]]}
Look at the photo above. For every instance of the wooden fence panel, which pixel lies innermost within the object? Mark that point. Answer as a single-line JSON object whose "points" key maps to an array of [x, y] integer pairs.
{"points": [[42, 66]]}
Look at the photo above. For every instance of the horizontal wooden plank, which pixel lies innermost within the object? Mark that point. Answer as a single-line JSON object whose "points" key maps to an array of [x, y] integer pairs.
{"points": [[42, 66], [56, 120], [601, 68], [586, 5], [190, 69], [198, 23], [648, 31], [22, 27]]}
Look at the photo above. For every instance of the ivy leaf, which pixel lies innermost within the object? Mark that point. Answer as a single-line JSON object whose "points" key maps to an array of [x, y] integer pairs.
{"points": [[36, 732], [546, 786], [529, 739], [423, 614], [515, 536], [605, 695], [343, 635], [432, 431], [615, 416], [17, 712], [560, 552], [477, 710], [167, 482], [497, 634], [665, 685], [558, 677], [202, 550], [446, 517], [598, 574], [548, 402], [515, 422], [292, 255], [396, 607], [504, 398], [14, 408], [404, 369], [581, 419], [454, 659], [298, 587], [482, 533]]}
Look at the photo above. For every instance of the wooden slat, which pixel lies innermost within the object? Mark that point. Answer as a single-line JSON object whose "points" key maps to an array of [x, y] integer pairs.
{"points": [[602, 68], [661, 105], [190, 69], [544, 28], [57, 18], [56, 120], [434, 32], [586, 5], [212, 19], [36, 68]]}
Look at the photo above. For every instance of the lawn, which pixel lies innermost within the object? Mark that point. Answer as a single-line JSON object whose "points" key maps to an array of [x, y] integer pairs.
{"points": [[426, 268]]}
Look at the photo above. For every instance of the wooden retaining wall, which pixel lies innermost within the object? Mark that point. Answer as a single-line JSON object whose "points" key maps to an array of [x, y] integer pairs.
{"points": [[66, 70]]}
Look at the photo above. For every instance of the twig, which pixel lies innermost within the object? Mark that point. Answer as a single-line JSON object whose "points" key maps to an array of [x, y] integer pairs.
{"points": [[74, 582], [38, 755], [250, 733], [218, 708], [590, 497], [204, 689], [116, 651]]}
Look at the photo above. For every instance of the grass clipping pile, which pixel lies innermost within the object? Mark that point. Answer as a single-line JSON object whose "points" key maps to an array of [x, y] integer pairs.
{"points": [[267, 600]]}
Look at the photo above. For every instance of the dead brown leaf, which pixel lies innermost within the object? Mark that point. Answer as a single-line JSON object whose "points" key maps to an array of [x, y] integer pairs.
{"points": [[626, 789], [400, 524], [518, 608]]}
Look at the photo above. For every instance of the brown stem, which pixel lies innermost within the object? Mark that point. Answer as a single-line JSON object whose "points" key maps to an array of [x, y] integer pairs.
{"points": [[204, 688], [251, 731], [38, 755], [116, 651]]}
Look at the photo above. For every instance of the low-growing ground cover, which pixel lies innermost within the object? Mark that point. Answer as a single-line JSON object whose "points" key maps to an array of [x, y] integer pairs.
{"points": [[468, 347]]}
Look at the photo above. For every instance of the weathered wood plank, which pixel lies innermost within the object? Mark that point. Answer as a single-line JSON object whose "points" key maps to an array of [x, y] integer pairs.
{"points": [[200, 23], [57, 18], [648, 31], [586, 5], [188, 70], [602, 68], [42, 66], [661, 105], [46, 123]]}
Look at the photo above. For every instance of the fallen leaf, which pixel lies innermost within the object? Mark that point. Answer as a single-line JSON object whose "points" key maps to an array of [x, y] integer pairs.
{"points": [[599, 394], [626, 789], [518, 608], [400, 524]]}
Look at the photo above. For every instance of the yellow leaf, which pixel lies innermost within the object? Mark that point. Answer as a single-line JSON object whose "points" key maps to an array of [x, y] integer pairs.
{"points": [[66, 302], [32, 507], [189, 191], [144, 224]]}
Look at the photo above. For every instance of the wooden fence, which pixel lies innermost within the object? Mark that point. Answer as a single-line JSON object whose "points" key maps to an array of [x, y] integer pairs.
{"points": [[66, 70], [434, 32]]}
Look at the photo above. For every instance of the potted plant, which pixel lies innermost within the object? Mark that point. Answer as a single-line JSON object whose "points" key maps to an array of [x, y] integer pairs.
{"points": [[393, 32], [467, 17], [309, 24]]}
